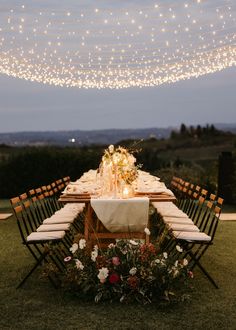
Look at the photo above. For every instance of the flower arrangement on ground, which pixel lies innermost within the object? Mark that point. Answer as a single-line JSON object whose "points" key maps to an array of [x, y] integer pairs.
{"points": [[127, 270]]}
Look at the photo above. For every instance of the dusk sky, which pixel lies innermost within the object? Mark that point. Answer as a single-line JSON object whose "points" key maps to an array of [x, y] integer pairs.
{"points": [[30, 106]]}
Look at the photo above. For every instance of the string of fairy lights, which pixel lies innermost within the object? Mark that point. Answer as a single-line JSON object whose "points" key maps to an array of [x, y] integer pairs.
{"points": [[116, 44]]}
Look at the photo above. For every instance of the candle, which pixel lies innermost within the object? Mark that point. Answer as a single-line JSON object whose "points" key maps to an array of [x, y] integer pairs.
{"points": [[126, 192]]}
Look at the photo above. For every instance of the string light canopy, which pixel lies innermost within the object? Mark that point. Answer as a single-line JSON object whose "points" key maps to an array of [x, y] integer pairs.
{"points": [[116, 44]]}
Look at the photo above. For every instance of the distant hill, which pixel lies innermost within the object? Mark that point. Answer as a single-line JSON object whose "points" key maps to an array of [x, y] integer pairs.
{"points": [[103, 137], [79, 137], [226, 127]]}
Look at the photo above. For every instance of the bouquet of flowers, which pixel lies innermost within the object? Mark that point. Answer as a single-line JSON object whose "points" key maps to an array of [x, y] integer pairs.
{"points": [[127, 270], [122, 163]]}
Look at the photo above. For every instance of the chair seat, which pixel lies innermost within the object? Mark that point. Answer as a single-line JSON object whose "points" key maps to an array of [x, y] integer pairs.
{"points": [[178, 220], [74, 206], [54, 227], [174, 213], [62, 216], [45, 236], [72, 213], [57, 220], [163, 204], [183, 227], [192, 236]]}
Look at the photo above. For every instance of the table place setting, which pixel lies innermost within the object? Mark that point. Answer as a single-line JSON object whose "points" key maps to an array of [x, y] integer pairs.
{"points": [[117, 177]]}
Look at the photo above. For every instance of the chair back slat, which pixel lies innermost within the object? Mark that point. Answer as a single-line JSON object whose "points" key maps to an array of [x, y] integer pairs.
{"points": [[15, 200], [212, 197], [23, 197], [18, 209]]}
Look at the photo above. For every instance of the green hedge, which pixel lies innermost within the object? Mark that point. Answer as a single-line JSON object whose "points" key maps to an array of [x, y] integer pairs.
{"points": [[24, 168], [34, 167]]}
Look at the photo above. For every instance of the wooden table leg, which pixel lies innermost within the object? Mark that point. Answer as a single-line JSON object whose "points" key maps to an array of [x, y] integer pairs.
{"points": [[88, 221]]}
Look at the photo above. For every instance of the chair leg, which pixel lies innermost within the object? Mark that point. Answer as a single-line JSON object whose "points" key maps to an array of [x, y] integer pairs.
{"points": [[39, 261], [203, 270]]}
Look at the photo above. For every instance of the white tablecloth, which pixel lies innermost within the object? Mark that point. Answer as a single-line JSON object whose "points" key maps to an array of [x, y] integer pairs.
{"points": [[122, 215], [89, 183]]}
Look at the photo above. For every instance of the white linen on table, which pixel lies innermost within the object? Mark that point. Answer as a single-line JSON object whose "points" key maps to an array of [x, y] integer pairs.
{"points": [[147, 183], [122, 215], [89, 183]]}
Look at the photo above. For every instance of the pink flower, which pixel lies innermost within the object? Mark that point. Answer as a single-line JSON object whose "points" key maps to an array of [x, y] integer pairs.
{"points": [[190, 274], [67, 259], [102, 280], [114, 278], [116, 261], [103, 274]]}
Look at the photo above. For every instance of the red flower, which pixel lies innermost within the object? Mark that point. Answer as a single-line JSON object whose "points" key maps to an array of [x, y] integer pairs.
{"points": [[148, 249], [133, 282], [114, 278]]}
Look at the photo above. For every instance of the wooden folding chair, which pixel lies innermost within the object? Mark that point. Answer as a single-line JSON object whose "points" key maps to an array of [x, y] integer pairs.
{"points": [[60, 184], [195, 244], [48, 202], [56, 195], [66, 180], [38, 243]]}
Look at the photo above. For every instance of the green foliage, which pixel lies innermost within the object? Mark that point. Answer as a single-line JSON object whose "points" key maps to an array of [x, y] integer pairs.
{"points": [[198, 132], [34, 167], [126, 271], [194, 173]]}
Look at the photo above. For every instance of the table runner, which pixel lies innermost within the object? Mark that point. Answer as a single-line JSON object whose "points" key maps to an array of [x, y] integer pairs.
{"points": [[122, 215]]}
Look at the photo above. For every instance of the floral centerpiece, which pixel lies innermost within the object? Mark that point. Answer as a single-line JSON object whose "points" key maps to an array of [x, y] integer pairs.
{"points": [[118, 166], [126, 271]]}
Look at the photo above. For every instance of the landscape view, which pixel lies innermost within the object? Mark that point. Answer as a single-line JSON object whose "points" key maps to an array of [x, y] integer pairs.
{"points": [[192, 152], [117, 165]]}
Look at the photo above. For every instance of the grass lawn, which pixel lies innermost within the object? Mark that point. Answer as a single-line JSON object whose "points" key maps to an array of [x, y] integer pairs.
{"points": [[37, 305]]}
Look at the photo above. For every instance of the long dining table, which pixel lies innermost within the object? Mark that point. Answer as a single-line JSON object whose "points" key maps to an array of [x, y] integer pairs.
{"points": [[109, 216]]}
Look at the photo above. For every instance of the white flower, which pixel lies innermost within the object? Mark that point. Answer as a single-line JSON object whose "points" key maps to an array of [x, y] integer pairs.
{"points": [[157, 261], [79, 264], [133, 271], [82, 243], [176, 263], [110, 246], [147, 231], [131, 159], [94, 255], [165, 255], [175, 273], [103, 273], [179, 248], [185, 262], [133, 242], [74, 248], [111, 149]]}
